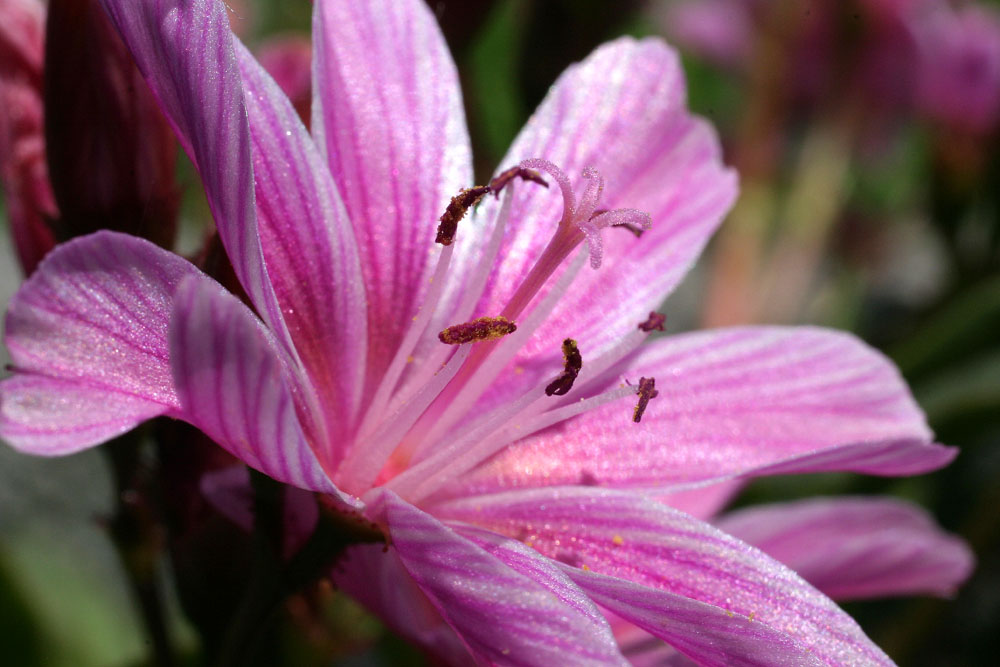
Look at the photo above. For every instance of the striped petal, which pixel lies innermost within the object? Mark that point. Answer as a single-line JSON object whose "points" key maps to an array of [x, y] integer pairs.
{"points": [[231, 382], [185, 51], [87, 334], [736, 402], [629, 537], [388, 116], [308, 245], [853, 548], [623, 111], [708, 634], [503, 615]]}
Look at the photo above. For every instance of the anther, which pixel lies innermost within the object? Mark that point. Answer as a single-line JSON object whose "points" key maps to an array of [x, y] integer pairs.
{"points": [[505, 177], [457, 208], [647, 391], [654, 322], [483, 328], [573, 363]]}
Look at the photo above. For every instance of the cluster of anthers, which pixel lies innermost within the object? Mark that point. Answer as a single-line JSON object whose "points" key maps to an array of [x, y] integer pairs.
{"points": [[399, 441]]}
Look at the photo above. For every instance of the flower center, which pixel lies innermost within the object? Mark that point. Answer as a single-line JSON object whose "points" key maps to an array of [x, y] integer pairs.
{"points": [[402, 424]]}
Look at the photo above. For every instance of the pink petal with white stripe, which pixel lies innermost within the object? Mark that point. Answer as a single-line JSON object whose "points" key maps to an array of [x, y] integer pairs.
{"points": [[87, 334], [502, 615], [231, 382], [735, 402], [629, 537], [309, 247], [185, 52], [388, 115], [853, 548], [623, 111]]}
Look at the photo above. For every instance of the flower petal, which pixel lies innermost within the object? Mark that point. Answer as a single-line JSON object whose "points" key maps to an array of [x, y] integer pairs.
{"points": [[231, 383], [503, 616], [87, 333], [705, 633], [629, 537], [745, 401], [623, 111], [853, 548], [308, 245], [50, 416], [185, 51], [388, 115]]}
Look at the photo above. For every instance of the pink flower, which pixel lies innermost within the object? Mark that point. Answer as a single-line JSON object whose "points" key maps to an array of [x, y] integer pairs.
{"points": [[522, 520]]}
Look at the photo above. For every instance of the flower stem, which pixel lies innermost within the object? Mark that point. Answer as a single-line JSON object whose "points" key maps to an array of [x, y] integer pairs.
{"points": [[137, 535], [272, 579]]}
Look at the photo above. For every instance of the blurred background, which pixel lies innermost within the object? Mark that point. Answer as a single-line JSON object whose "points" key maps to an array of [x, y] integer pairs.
{"points": [[866, 137]]}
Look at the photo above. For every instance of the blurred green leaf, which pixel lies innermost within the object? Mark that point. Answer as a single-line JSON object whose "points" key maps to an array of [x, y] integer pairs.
{"points": [[965, 326], [494, 60]]}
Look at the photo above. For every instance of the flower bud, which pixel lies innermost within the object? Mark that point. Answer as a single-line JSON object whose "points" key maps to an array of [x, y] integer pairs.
{"points": [[23, 171], [111, 152]]}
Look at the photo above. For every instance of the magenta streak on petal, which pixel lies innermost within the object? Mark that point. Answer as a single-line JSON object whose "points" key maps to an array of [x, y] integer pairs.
{"points": [[852, 548], [309, 247], [388, 117], [87, 334], [232, 384], [503, 615], [185, 52], [630, 537], [733, 402]]}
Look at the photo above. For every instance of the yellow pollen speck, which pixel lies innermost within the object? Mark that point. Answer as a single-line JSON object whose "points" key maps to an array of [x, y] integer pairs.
{"points": [[729, 613], [518, 370], [529, 543], [618, 540], [585, 567], [410, 359], [751, 616]]}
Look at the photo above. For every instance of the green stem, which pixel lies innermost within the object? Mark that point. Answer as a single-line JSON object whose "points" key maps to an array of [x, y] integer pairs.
{"points": [[137, 536]]}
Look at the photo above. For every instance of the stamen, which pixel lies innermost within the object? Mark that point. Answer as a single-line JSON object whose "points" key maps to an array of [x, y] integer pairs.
{"points": [[457, 208], [482, 328], [505, 177], [573, 363], [458, 404], [647, 391], [431, 473], [654, 322]]}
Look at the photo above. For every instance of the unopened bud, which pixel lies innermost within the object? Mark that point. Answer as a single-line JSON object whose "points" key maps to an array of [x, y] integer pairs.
{"points": [[23, 170], [111, 152]]}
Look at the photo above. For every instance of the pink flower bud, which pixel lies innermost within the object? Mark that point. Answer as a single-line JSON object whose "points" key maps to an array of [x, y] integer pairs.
{"points": [[111, 152], [23, 172]]}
